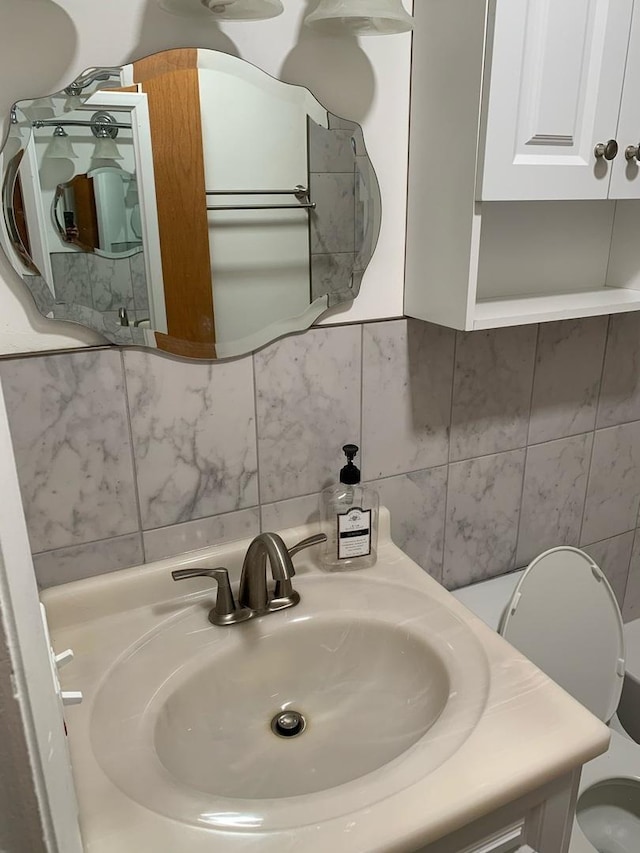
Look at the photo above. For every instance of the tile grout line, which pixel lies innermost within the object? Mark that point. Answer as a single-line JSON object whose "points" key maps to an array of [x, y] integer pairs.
{"points": [[135, 533], [255, 430], [134, 467], [628, 572], [448, 462], [526, 448], [594, 431], [536, 350]]}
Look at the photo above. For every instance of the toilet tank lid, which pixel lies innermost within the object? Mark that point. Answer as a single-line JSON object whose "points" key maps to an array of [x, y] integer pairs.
{"points": [[563, 615], [489, 598]]}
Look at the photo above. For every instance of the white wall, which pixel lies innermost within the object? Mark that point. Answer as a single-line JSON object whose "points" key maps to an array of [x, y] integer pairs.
{"points": [[44, 45]]}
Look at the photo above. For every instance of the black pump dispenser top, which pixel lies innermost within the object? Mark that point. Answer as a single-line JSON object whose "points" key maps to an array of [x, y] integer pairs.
{"points": [[350, 474]]}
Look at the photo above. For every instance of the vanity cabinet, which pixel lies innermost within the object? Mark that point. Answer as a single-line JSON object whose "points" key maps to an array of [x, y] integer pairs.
{"points": [[524, 179], [539, 822]]}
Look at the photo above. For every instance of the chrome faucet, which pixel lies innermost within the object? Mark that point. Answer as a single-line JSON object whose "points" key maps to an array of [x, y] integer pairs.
{"points": [[254, 597]]}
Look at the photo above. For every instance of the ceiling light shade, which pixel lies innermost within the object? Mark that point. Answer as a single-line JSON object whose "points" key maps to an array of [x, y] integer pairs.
{"points": [[224, 10], [360, 17], [60, 147], [244, 10]]}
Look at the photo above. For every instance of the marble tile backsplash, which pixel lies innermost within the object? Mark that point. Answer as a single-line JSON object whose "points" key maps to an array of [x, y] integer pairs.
{"points": [[488, 447]]}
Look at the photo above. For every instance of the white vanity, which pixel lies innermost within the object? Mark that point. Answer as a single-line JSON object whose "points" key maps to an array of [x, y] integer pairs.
{"points": [[424, 730]]}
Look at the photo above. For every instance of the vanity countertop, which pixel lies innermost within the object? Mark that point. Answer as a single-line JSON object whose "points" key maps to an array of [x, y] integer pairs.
{"points": [[530, 732]]}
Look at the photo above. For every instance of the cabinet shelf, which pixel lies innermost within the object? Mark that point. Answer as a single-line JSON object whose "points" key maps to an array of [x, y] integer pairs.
{"points": [[492, 313]]}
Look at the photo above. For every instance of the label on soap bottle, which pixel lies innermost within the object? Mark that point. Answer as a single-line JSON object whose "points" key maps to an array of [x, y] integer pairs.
{"points": [[354, 533]]}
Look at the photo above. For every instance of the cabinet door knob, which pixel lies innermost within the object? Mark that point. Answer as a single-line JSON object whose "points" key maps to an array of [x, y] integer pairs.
{"points": [[632, 152], [608, 150]]}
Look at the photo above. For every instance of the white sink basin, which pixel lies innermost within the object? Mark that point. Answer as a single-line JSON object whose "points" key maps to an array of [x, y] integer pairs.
{"points": [[389, 681], [420, 719]]}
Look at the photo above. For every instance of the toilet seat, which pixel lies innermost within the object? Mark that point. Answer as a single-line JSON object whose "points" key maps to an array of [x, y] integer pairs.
{"points": [[563, 615]]}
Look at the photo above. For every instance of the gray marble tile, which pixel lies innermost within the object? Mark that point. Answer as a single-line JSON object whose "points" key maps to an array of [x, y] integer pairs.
{"points": [[291, 513], [345, 123], [330, 150], [406, 396], [567, 378], [82, 314], [613, 493], [333, 220], [332, 274], [492, 390], [483, 505], [417, 503], [71, 278], [111, 284], [139, 284], [613, 556], [631, 608], [368, 211], [365, 232], [69, 427], [193, 436], [42, 295], [179, 538], [555, 484], [620, 392], [85, 561], [308, 407]]}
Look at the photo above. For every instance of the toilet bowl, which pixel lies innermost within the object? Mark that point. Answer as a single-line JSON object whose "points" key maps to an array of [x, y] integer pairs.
{"points": [[629, 706], [562, 614]]}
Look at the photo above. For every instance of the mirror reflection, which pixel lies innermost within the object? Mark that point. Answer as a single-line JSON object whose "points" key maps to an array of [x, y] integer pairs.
{"points": [[189, 202], [99, 212]]}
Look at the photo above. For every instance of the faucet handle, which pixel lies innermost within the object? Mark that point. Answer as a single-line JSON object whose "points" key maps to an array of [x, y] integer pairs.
{"points": [[284, 589], [309, 542], [225, 612]]}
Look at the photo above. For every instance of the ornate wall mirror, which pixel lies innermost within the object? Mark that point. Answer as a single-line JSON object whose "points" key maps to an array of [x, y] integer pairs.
{"points": [[187, 201]]}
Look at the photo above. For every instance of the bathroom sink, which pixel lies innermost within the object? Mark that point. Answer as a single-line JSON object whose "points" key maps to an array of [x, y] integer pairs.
{"points": [[378, 714], [364, 697], [359, 691]]}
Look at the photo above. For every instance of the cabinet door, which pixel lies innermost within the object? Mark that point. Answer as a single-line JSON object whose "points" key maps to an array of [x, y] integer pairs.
{"points": [[556, 74], [625, 176]]}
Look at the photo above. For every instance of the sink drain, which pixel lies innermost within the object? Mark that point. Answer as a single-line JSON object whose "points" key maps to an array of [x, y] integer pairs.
{"points": [[288, 724]]}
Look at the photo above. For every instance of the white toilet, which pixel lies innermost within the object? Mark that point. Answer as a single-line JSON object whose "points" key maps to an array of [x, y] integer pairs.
{"points": [[562, 614]]}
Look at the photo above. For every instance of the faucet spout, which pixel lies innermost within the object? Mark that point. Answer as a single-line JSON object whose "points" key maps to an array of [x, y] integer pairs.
{"points": [[253, 581]]}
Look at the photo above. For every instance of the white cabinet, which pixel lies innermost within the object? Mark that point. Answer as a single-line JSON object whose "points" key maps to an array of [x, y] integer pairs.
{"points": [[539, 822], [512, 218], [557, 72]]}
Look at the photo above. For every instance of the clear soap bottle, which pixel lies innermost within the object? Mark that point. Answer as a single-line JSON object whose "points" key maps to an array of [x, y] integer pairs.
{"points": [[349, 517]]}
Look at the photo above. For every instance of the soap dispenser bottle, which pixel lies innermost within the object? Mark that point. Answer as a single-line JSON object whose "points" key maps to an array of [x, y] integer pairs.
{"points": [[349, 517]]}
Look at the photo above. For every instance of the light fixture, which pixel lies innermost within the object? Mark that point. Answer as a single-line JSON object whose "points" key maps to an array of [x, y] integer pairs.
{"points": [[103, 127], [360, 17], [13, 142], [74, 91], [106, 149], [60, 147], [224, 10], [39, 108]]}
